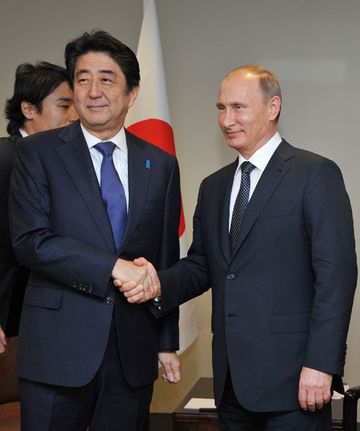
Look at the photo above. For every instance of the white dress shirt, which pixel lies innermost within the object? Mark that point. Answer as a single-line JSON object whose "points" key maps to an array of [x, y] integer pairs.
{"points": [[120, 157], [259, 159], [23, 132]]}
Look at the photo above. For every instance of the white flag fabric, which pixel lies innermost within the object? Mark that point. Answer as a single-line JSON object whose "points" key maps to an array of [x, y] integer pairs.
{"points": [[149, 119]]}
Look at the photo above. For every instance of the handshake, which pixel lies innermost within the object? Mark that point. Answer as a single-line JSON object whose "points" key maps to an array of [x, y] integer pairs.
{"points": [[137, 280]]}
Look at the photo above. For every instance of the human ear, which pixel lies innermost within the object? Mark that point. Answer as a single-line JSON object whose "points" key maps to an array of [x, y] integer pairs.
{"points": [[28, 110], [274, 107]]}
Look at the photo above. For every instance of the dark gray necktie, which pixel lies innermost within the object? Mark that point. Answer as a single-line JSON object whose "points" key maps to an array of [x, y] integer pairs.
{"points": [[112, 191], [241, 202]]}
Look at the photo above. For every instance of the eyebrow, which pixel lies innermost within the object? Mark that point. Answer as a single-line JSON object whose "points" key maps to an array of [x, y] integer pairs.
{"points": [[219, 104], [107, 71], [64, 99]]}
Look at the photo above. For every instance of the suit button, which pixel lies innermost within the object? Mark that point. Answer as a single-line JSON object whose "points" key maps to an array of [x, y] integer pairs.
{"points": [[109, 300], [230, 276]]}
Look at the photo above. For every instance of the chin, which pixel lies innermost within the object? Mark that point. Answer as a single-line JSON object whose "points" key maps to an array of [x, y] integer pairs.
{"points": [[235, 144]]}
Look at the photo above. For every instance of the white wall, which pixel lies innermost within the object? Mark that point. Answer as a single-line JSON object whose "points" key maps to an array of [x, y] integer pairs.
{"points": [[312, 45]]}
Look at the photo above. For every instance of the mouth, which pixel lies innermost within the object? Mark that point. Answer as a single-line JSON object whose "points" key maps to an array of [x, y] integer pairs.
{"points": [[96, 107], [232, 133]]}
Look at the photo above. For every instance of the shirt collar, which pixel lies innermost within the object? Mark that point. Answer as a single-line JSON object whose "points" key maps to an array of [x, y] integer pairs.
{"points": [[119, 139], [23, 132], [262, 156]]}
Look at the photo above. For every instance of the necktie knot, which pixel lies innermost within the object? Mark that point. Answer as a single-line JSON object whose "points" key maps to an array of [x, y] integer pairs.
{"points": [[106, 148], [247, 167]]}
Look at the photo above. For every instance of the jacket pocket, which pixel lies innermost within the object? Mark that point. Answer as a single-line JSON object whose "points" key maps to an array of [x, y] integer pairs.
{"points": [[45, 297], [290, 323]]}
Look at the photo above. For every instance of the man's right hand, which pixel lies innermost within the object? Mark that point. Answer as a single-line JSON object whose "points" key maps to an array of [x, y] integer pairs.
{"points": [[137, 280], [2, 341]]}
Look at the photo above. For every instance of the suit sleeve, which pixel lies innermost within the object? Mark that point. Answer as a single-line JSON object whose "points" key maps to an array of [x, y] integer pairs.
{"points": [[329, 223], [62, 259], [169, 255], [190, 277]]}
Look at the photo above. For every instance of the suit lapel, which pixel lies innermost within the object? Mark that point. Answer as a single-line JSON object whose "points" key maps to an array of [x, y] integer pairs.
{"points": [[269, 181], [76, 158], [140, 165]]}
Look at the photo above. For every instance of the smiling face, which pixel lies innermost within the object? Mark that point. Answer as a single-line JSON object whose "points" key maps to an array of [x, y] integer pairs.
{"points": [[100, 94], [245, 118]]}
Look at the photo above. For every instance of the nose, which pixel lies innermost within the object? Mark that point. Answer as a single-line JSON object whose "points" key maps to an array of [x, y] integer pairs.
{"points": [[94, 89], [72, 114], [226, 118]]}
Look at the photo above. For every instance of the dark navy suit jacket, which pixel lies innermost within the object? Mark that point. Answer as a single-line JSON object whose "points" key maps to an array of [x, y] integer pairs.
{"points": [[284, 299], [61, 231], [13, 276]]}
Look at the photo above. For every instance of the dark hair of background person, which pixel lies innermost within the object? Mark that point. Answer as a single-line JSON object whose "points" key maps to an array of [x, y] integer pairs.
{"points": [[101, 41], [32, 84]]}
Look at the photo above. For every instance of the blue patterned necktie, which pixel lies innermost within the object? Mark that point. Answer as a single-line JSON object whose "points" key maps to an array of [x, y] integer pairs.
{"points": [[112, 191], [241, 202]]}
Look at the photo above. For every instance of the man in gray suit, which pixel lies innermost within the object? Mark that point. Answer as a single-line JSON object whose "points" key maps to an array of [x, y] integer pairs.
{"points": [[273, 236]]}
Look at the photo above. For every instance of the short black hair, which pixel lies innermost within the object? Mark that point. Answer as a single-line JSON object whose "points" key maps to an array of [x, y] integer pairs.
{"points": [[101, 41], [32, 84]]}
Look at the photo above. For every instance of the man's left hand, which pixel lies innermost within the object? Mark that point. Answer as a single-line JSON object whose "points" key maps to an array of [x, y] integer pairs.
{"points": [[171, 364], [314, 389]]}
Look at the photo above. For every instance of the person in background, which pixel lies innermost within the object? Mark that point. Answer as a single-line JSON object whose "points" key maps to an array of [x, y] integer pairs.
{"points": [[273, 236], [42, 100], [84, 201]]}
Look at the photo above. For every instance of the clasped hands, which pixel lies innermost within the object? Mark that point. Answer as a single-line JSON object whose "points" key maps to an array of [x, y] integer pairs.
{"points": [[137, 280]]}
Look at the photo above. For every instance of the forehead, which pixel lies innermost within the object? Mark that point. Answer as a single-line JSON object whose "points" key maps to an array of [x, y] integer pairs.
{"points": [[62, 90], [96, 62], [239, 86]]}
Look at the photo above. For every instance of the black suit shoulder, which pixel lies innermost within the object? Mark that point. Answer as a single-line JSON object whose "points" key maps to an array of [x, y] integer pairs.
{"points": [[47, 140], [148, 146], [7, 148], [301, 156], [40, 139], [221, 174], [308, 167], [285, 151]]}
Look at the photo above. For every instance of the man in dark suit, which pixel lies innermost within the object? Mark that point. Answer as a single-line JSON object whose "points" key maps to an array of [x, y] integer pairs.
{"points": [[42, 100], [273, 236], [84, 200]]}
